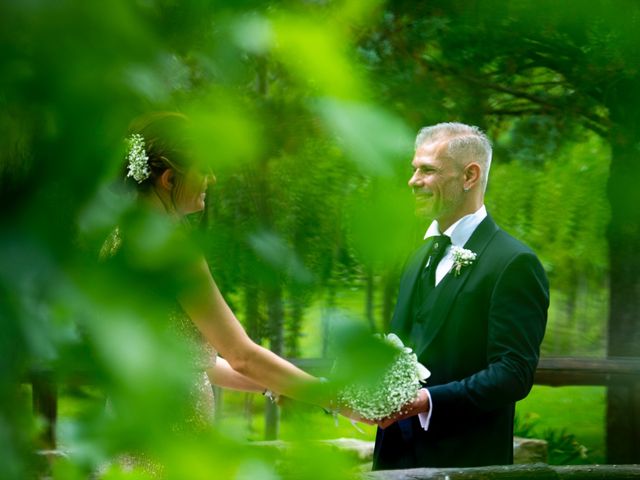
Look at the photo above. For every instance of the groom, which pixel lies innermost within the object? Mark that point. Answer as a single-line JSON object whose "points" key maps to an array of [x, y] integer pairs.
{"points": [[475, 323]]}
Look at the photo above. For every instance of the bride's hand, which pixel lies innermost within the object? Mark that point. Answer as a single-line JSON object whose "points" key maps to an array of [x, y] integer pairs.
{"points": [[347, 412]]}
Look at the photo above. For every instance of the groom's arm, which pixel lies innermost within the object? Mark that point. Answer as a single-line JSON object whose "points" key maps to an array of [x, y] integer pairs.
{"points": [[516, 324]]}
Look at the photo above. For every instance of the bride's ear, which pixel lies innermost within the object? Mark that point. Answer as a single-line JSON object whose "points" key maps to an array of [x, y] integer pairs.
{"points": [[166, 179]]}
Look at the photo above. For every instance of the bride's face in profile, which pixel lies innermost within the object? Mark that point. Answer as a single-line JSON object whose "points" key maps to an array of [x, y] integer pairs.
{"points": [[191, 192]]}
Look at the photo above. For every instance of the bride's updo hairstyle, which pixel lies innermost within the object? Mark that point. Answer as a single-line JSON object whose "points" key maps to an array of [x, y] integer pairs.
{"points": [[163, 138]]}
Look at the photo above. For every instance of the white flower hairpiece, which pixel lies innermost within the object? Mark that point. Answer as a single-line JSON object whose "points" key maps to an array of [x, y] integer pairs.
{"points": [[461, 258], [137, 158]]}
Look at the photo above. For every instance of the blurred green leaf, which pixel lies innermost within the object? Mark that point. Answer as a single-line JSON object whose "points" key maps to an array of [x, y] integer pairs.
{"points": [[374, 139]]}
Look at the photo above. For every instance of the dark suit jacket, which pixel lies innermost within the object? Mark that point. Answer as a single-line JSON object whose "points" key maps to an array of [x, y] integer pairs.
{"points": [[479, 334]]}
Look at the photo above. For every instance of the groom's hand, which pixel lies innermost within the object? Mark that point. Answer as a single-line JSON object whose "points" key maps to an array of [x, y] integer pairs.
{"points": [[419, 405]]}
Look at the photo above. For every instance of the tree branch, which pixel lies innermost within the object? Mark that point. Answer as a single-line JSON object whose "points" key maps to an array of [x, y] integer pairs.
{"points": [[594, 122], [515, 111]]}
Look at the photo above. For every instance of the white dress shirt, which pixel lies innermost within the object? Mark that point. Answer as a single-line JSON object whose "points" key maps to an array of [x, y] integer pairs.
{"points": [[459, 232]]}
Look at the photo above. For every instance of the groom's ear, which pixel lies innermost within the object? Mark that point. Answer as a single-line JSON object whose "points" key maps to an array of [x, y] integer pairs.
{"points": [[166, 179], [472, 173]]}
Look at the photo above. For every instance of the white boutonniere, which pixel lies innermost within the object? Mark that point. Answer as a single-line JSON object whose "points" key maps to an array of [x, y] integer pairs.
{"points": [[461, 258]]}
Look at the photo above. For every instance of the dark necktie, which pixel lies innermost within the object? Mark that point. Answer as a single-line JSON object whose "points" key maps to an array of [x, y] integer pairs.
{"points": [[426, 280], [440, 244]]}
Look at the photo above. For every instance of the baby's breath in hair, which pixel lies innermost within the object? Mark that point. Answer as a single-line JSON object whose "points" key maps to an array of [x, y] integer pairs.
{"points": [[137, 158]]}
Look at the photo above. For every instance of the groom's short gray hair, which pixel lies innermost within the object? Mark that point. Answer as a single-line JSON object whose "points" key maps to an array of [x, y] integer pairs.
{"points": [[465, 143]]}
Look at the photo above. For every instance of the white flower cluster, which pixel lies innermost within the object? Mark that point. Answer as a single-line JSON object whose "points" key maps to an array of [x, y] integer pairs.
{"points": [[461, 258], [394, 388], [137, 158]]}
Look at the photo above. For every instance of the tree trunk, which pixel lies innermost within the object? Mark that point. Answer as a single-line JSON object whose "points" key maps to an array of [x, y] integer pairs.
{"points": [[276, 343], [276, 320], [623, 403], [254, 325], [294, 327], [389, 294], [248, 409], [569, 338], [253, 321], [326, 318], [369, 302]]}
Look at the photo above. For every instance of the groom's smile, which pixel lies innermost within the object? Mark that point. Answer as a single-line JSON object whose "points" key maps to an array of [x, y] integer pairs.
{"points": [[424, 201]]}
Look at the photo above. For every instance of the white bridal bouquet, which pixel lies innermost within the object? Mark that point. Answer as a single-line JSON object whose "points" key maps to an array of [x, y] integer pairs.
{"points": [[393, 389]]}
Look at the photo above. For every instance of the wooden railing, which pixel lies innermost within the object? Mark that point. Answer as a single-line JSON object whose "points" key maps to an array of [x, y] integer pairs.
{"points": [[621, 377], [609, 372], [554, 371]]}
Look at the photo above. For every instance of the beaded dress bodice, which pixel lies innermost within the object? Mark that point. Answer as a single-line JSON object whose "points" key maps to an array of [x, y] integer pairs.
{"points": [[199, 403], [201, 357], [200, 353]]}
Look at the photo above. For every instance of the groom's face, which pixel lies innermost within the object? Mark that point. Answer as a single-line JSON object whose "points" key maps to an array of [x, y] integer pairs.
{"points": [[437, 181]]}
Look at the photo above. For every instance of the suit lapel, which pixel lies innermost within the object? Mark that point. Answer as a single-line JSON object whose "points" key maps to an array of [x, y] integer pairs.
{"points": [[452, 284], [401, 321]]}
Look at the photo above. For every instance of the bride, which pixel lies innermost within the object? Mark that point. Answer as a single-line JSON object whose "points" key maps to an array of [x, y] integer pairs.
{"points": [[171, 184]]}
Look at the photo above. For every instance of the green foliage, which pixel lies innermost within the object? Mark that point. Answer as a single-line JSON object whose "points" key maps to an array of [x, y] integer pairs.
{"points": [[300, 109], [560, 210], [563, 448], [570, 419], [546, 70], [280, 111], [523, 425]]}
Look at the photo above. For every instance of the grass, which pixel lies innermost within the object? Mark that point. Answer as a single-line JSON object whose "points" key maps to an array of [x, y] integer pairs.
{"points": [[577, 411]]}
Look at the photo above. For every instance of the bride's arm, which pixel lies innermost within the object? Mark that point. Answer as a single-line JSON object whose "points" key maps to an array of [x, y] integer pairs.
{"points": [[203, 302], [223, 375]]}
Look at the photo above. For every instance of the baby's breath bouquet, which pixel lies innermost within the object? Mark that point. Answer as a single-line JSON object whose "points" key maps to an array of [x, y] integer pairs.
{"points": [[395, 387]]}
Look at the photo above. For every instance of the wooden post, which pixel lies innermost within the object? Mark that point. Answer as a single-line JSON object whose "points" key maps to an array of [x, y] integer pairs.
{"points": [[623, 424], [45, 405], [276, 341]]}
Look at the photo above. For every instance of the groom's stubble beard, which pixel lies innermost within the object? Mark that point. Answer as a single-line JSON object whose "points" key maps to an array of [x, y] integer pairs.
{"points": [[427, 205]]}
